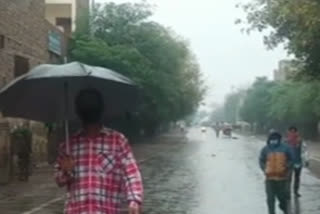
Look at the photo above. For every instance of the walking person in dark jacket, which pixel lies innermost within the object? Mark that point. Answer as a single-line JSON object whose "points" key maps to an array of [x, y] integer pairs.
{"points": [[295, 143], [217, 129], [276, 161]]}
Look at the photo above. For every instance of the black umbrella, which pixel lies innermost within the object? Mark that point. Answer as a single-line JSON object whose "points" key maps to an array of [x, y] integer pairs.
{"points": [[47, 92]]}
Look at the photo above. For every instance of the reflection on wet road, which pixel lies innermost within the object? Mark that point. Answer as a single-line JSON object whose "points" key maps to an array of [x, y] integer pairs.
{"points": [[205, 175], [209, 175]]}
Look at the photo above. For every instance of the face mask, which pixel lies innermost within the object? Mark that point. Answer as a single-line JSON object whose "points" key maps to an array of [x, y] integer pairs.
{"points": [[274, 142]]}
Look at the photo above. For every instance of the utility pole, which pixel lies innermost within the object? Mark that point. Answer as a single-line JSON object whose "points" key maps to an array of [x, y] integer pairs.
{"points": [[92, 4], [90, 16]]}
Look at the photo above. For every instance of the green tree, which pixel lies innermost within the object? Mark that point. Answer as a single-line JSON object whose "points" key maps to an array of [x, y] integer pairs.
{"points": [[124, 39], [217, 115], [295, 23], [232, 106], [295, 103], [279, 105], [256, 104]]}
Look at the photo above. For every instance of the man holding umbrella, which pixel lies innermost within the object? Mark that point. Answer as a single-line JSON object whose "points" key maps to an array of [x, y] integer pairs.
{"points": [[100, 167], [96, 165]]}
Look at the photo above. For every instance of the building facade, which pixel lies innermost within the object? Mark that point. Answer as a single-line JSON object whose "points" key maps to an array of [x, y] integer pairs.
{"points": [[27, 39], [65, 13], [287, 69]]}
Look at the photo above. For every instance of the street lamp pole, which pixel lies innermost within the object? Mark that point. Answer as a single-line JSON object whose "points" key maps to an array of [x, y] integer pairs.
{"points": [[90, 16]]}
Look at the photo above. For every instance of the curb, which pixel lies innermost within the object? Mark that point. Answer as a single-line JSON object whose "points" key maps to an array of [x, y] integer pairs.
{"points": [[315, 158]]}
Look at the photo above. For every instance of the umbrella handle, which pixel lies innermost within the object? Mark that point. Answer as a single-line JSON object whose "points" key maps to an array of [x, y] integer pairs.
{"points": [[66, 122], [66, 127]]}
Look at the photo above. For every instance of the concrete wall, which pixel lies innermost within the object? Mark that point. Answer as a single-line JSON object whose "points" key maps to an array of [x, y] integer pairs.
{"points": [[57, 10], [72, 6], [5, 153], [39, 142], [60, 1], [83, 6]]}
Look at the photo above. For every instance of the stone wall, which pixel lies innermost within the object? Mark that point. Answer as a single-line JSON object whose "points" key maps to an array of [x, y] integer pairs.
{"points": [[39, 142], [25, 32], [5, 156]]}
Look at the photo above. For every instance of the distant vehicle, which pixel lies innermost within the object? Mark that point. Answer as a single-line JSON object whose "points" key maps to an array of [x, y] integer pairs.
{"points": [[203, 129], [227, 131]]}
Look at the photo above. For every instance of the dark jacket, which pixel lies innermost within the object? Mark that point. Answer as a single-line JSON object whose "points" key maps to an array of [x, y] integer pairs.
{"points": [[276, 161]]}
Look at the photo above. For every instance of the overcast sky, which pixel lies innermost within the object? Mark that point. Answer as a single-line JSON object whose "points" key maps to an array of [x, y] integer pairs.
{"points": [[227, 57]]}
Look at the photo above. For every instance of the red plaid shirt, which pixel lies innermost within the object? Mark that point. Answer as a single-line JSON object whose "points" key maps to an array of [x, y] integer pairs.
{"points": [[105, 171]]}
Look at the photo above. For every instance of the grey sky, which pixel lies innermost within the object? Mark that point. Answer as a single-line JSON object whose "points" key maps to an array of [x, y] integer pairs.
{"points": [[226, 56]]}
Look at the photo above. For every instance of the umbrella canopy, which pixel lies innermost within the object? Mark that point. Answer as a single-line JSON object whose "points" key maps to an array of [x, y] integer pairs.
{"points": [[47, 92]]}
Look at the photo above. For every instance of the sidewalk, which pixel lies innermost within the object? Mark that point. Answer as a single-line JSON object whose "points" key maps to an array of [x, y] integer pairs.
{"points": [[44, 175], [314, 149], [18, 197]]}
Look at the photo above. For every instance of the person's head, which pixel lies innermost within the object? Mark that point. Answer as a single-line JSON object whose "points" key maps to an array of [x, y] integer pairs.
{"points": [[293, 129], [274, 139], [89, 106], [271, 131]]}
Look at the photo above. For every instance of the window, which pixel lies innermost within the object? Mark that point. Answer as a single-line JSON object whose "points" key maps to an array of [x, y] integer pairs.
{"points": [[65, 23], [21, 65], [1, 41]]}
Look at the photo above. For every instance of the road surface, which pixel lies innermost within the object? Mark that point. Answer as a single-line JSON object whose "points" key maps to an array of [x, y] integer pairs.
{"points": [[196, 175]]}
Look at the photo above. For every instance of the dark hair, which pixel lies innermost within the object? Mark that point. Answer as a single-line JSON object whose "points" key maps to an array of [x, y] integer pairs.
{"points": [[293, 128], [89, 106]]}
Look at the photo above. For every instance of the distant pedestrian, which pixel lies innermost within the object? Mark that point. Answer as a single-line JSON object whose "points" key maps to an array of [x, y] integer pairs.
{"points": [[295, 142], [271, 131], [100, 168], [275, 161], [182, 129], [217, 129]]}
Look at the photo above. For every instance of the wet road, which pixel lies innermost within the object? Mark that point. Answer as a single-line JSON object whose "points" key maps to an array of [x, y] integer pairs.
{"points": [[209, 175], [205, 175]]}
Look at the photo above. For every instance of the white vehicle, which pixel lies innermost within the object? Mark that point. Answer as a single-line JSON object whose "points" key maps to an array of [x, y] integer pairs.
{"points": [[203, 129]]}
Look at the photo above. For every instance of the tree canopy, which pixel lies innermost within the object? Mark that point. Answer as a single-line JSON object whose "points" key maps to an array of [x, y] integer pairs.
{"points": [[294, 23], [123, 38], [270, 104], [231, 107], [256, 102], [229, 111]]}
